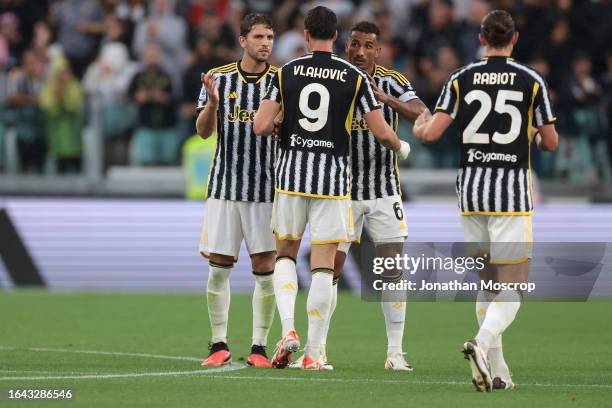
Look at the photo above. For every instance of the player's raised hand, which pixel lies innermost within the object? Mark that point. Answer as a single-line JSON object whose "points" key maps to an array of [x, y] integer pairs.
{"points": [[380, 95], [423, 118], [210, 84], [278, 120]]}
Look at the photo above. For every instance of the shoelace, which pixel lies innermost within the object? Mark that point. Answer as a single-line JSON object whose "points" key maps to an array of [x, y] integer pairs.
{"points": [[214, 347], [258, 349]]}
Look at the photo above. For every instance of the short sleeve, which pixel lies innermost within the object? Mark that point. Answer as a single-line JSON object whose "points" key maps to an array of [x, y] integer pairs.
{"points": [[274, 89], [400, 87], [202, 99], [447, 102], [543, 111], [366, 100]]}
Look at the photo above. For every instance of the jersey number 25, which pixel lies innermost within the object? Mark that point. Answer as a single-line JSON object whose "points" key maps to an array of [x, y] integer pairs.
{"points": [[470, 133]]}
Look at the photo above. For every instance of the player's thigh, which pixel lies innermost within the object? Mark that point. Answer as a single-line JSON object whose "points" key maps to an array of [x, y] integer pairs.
{"points": [[511, 238], [222, 229], [255, 221], [330, 220], [476, 234], [386, 220], [358, 208], [289, 216]]}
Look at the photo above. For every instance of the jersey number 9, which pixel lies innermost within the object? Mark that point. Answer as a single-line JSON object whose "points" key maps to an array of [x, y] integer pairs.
{"points": [[315, 119]]}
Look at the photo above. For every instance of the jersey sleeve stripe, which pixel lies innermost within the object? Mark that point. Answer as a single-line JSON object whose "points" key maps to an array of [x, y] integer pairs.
{"points": [[456, 108], [454, 76], [548, 110], [349, 117]]}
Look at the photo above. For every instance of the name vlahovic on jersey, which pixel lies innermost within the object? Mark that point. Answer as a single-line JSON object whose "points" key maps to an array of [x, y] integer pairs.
{"points": [[243, 163], [314, 147], [495, 102], [374, 167]]}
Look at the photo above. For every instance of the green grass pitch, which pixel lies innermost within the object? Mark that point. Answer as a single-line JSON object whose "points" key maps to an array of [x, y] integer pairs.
{"points": [[560, 354]]}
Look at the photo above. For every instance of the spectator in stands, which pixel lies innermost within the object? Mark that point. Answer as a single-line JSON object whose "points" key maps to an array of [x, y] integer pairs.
{"points": [[115, 30], [204, 59], [79, 25], [558, 52], [469, 49], [441, 30], [155, 140], [169, 31], [581, 101], [606, 82], [106, 83], [23, 112], [41, 41], [290, 44], [62, 102], [11, 41], [212, 22]]}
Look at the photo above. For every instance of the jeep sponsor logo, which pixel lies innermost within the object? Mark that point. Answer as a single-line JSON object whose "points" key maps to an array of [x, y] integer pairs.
{"points": [[477, 155], [309, 143]]}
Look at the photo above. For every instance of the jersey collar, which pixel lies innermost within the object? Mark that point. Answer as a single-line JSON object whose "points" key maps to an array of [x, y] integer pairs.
{"points": [[252, 77]]}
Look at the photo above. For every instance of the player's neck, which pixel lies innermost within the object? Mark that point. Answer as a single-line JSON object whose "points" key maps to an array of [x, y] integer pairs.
{"points": [[499, 52], [250, 65], [321, 45]]}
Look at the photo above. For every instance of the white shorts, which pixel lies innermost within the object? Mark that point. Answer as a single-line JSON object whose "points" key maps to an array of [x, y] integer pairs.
{"points": [[385, 218], [330, 219], [227, 223], [506, 238]]}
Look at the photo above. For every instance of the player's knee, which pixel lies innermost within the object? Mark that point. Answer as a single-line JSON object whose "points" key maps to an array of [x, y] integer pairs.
{"points": [[222, 260], [287, 248], [339, 263], [263, 262]]}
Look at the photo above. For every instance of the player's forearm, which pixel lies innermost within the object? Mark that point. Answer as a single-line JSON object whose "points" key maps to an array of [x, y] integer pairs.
{"points": [[263, 122], [408, 110], [207, 121], [389, 139], [547, 138], [263, 126]]}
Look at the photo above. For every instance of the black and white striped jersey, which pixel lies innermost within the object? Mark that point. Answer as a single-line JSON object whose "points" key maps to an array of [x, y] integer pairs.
{"points": [[319, 93], [243, 164], [374, 167], [495, 102]]}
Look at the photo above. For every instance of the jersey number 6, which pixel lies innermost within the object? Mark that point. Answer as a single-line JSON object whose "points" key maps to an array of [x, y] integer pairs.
{"points": [[316, 118], [470, 133]]}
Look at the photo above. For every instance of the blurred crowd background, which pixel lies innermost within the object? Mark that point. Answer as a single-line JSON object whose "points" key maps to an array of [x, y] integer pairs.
{"points": [[128, 72]]}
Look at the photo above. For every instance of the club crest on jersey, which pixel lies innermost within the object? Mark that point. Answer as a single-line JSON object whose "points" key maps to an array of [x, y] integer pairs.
{"points": [[298, 141], [480, 156], [359, 124], [241, 115]]}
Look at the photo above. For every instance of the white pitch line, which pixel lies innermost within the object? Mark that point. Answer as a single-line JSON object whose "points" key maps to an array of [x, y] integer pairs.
{"points": [[105, 353], [417, 382], [232, 367]]}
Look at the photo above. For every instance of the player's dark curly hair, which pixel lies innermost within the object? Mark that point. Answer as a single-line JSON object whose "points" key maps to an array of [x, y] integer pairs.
{"points": [[497, 27], [367, 27], [253, 19], [321, 23]]}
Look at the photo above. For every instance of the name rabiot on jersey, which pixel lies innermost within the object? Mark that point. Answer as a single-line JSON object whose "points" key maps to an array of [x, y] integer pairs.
{"points": [[495, 102], [374, 167], [243, 163], [314, 147]]}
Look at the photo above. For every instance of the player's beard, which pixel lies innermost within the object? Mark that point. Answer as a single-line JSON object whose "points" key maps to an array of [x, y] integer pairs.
{"points": [[256, 56]]}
